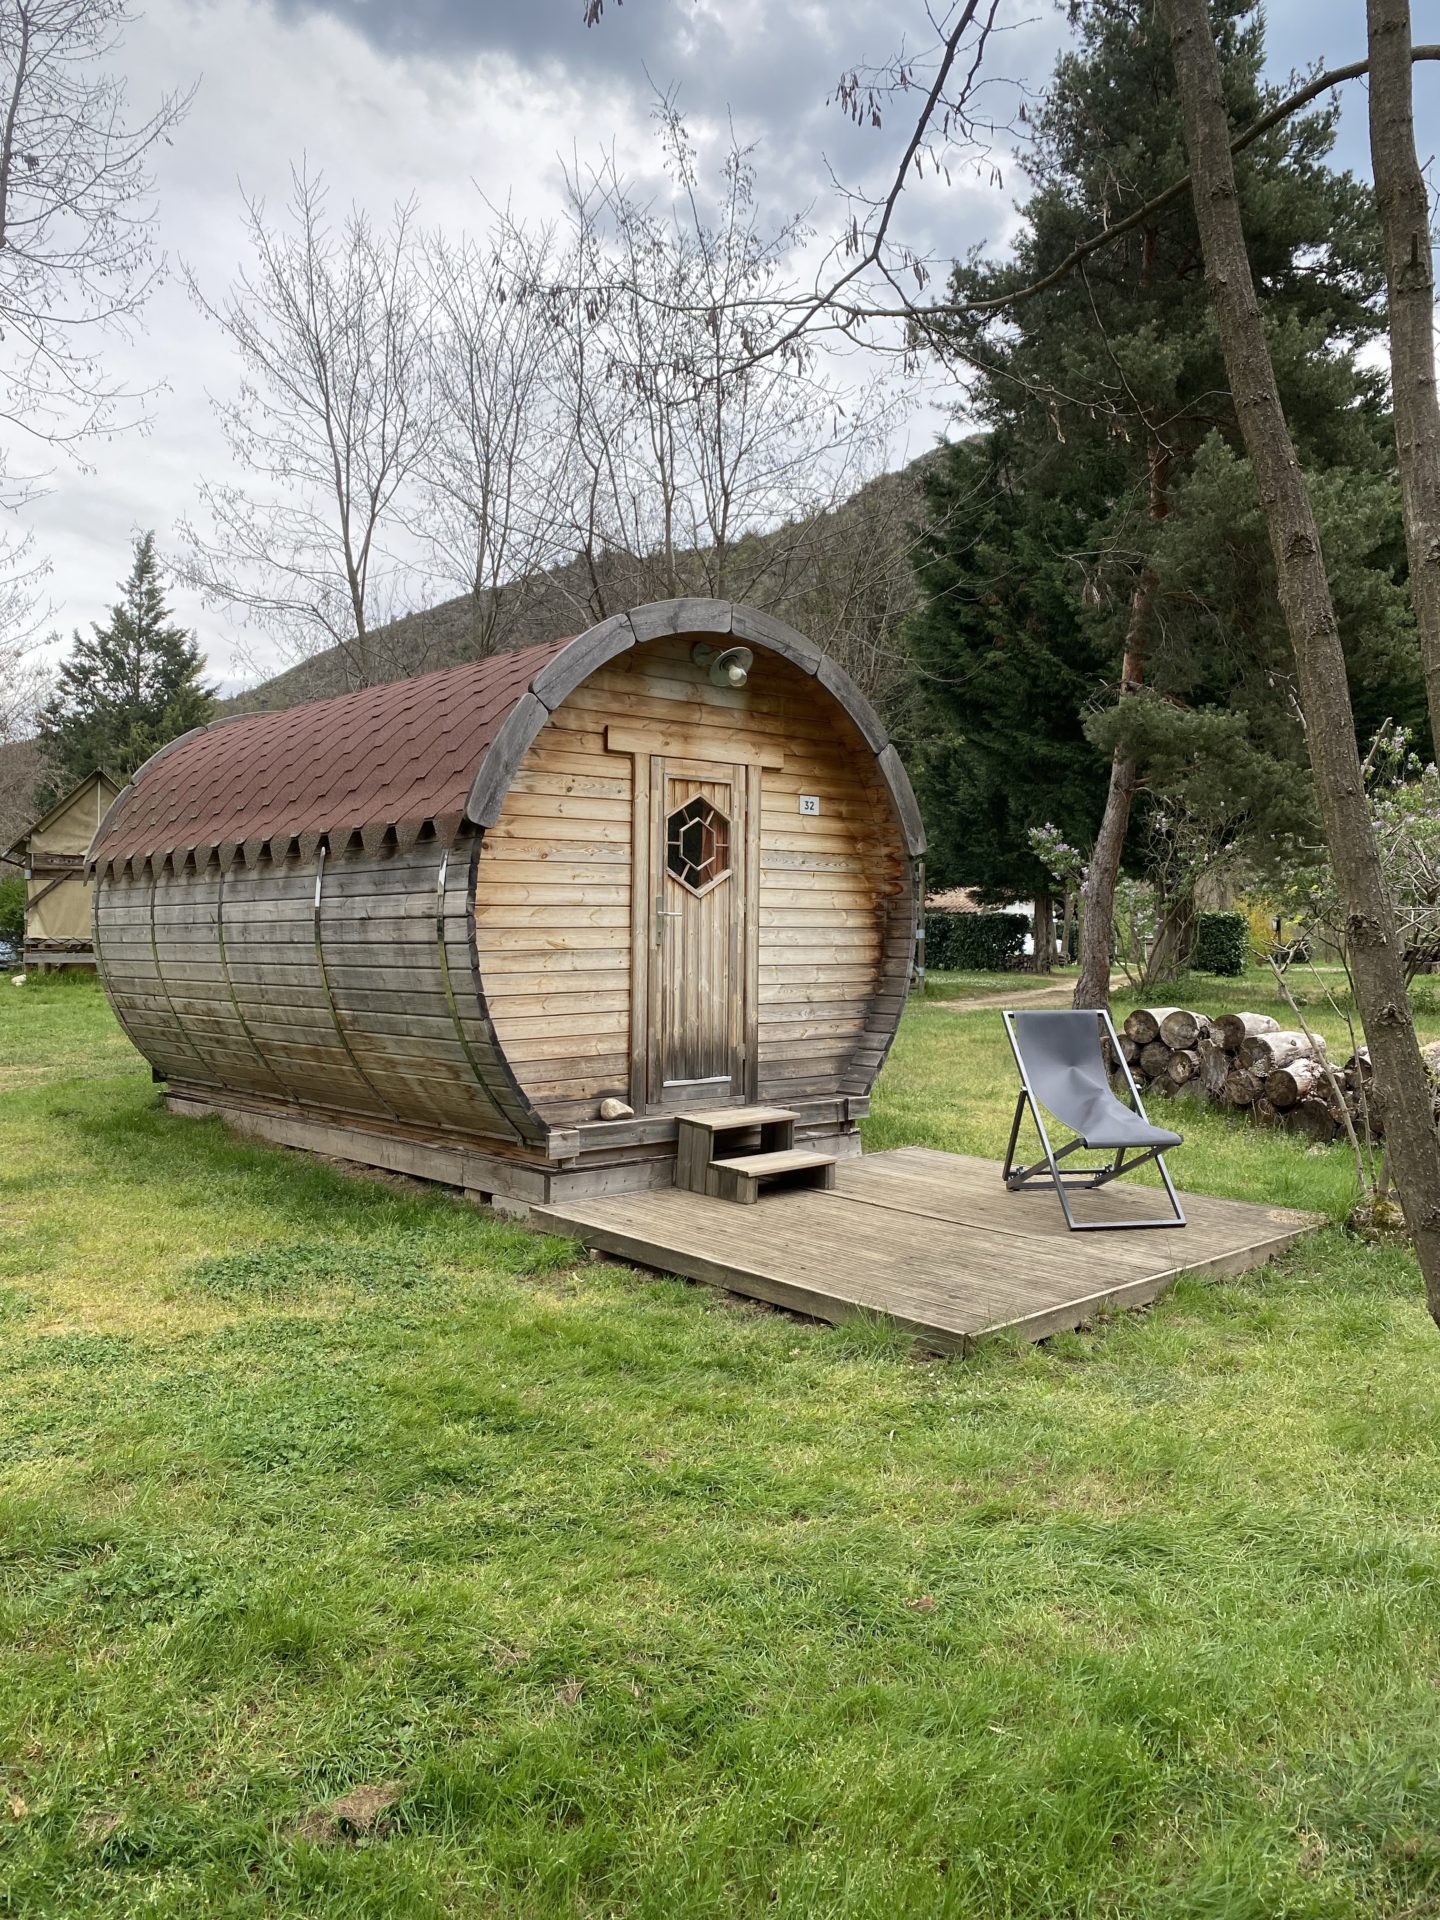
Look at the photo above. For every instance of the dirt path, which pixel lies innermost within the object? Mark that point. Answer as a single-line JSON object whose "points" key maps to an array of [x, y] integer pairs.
{"points": [[1059, 996]]}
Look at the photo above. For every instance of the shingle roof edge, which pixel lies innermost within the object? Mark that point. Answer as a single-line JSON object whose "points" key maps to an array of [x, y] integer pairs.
{"points": [[520, 691]]}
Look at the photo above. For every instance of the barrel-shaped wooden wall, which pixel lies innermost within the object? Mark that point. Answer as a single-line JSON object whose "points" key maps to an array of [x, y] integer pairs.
{"points": [[425, 909], [326, 979]]}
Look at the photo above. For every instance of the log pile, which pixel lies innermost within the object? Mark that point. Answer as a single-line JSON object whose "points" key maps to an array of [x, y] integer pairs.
{"points": [[1249, 1062]]}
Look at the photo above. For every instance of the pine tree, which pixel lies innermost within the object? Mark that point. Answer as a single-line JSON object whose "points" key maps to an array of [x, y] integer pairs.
{"points": [[1108, 396], [1006, 667], [128, 688]]}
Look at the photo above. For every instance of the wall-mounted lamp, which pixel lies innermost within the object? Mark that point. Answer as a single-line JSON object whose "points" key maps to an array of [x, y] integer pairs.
{"points": [[725, 666]]}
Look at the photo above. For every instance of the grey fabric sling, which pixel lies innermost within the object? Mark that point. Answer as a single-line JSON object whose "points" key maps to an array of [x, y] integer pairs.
{"points": [[1061, 1060]]}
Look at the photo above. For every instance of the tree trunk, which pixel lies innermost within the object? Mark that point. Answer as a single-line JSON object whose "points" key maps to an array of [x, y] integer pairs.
{"points": [[1044, 933], [1092, 989], [1174, 942], [1097, 927], [1410, 277], [1376, 960]]}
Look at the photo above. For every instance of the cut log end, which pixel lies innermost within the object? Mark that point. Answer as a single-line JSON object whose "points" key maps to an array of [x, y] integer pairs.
{"points": [[1181, 1028], [1143, 1025], [1231, 1029]]}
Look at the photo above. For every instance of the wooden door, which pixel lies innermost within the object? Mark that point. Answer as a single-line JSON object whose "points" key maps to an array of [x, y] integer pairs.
{"points": [[699, 1004]]}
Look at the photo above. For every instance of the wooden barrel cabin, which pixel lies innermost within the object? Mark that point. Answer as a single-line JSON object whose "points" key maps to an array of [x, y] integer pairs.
{"points": [[502, 925]]}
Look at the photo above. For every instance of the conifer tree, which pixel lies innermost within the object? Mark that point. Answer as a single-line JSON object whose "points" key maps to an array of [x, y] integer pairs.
{"points": [[1108, 393], [129, 687], [1005, 667]]}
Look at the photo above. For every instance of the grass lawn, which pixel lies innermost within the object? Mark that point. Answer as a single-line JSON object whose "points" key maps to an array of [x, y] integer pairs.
{"points": [[636, 1601]]}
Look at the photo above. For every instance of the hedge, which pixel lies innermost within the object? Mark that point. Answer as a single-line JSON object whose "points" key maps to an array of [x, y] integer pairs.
{"points": [[974, 942], [12, 909], [1222, 943]]}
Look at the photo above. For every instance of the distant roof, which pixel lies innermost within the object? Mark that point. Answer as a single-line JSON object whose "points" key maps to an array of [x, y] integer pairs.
{"points": [[390, 757], [953, 900], [98, 776], [965, 900]]}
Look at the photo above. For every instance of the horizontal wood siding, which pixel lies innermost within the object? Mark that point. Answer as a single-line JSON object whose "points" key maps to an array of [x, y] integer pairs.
{"points": [[554, 909], [380, 923], [269, 926], [552, 914], [835, 908]]}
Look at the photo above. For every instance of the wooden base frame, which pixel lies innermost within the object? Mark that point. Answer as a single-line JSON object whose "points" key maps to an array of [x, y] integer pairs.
{"points": [[636, 1156]]}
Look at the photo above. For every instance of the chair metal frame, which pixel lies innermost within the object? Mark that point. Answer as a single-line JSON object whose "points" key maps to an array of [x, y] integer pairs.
{"points": [[1082, 1177]]}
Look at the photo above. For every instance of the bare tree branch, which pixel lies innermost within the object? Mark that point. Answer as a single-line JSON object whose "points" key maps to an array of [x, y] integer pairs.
{"points": [[328, 428], [77, 255]]}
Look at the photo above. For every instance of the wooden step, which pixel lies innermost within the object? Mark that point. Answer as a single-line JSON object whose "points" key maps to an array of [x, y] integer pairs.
{"points": [[700, 1137], [742, 1177], [722, 1119]]}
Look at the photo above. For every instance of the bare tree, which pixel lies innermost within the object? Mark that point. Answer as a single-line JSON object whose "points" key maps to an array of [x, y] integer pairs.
{"points": [[1373, 945], [689, 435], [23, 678], [77, 261], [77, 254], [1410, 274], [851, 582], [328, 428], [493, 470]]}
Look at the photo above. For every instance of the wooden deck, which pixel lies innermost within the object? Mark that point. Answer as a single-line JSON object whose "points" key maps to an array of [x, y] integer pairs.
{"points": [[932, 1241]]}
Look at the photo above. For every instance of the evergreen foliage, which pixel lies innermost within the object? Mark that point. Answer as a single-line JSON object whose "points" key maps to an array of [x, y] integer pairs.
{"points": [[12, 908], [974, 942], [1007, 664], [1111, 452], [1222, 943], [126, 689]]}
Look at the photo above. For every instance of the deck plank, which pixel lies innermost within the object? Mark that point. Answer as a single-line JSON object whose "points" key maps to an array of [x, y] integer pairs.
{"points": [[932, 1241]]}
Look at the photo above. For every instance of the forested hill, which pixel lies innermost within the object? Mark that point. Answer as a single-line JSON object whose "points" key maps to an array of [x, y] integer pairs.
{"points": [[845, 578]]}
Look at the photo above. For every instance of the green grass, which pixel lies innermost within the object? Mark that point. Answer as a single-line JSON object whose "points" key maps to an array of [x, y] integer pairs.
{"points": [[643, 1602], [950, 984]]}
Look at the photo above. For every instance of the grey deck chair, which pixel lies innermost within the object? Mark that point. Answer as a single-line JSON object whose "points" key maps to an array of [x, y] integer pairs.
{"points": [[1061, 1060]]}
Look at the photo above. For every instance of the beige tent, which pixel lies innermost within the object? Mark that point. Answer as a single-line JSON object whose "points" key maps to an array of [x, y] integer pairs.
{"points": [[58, 892]]}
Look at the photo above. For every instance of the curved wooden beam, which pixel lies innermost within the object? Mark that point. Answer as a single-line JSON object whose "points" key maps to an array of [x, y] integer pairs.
{"points": [[659, 619]]}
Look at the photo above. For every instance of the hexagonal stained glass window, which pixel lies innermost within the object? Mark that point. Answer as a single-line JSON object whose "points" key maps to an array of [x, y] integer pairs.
{"points": [[697, 845]]}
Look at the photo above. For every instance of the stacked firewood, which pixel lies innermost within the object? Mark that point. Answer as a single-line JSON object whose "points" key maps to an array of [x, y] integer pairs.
{"points": [[1249, 1062]]}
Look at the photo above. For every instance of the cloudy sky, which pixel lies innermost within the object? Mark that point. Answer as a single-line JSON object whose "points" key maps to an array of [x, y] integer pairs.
{"points": [[455, 99]]}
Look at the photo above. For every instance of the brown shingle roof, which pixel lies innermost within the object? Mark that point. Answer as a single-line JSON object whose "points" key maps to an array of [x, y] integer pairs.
{"points": [[392, 756]]}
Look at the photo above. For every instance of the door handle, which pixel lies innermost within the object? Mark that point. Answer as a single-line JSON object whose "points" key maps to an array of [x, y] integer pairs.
{"points": [[662, 914]]}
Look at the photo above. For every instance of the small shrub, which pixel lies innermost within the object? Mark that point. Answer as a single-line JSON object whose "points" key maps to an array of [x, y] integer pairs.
{"points": [[974, 942], [1222, 943], [12, 910]]}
